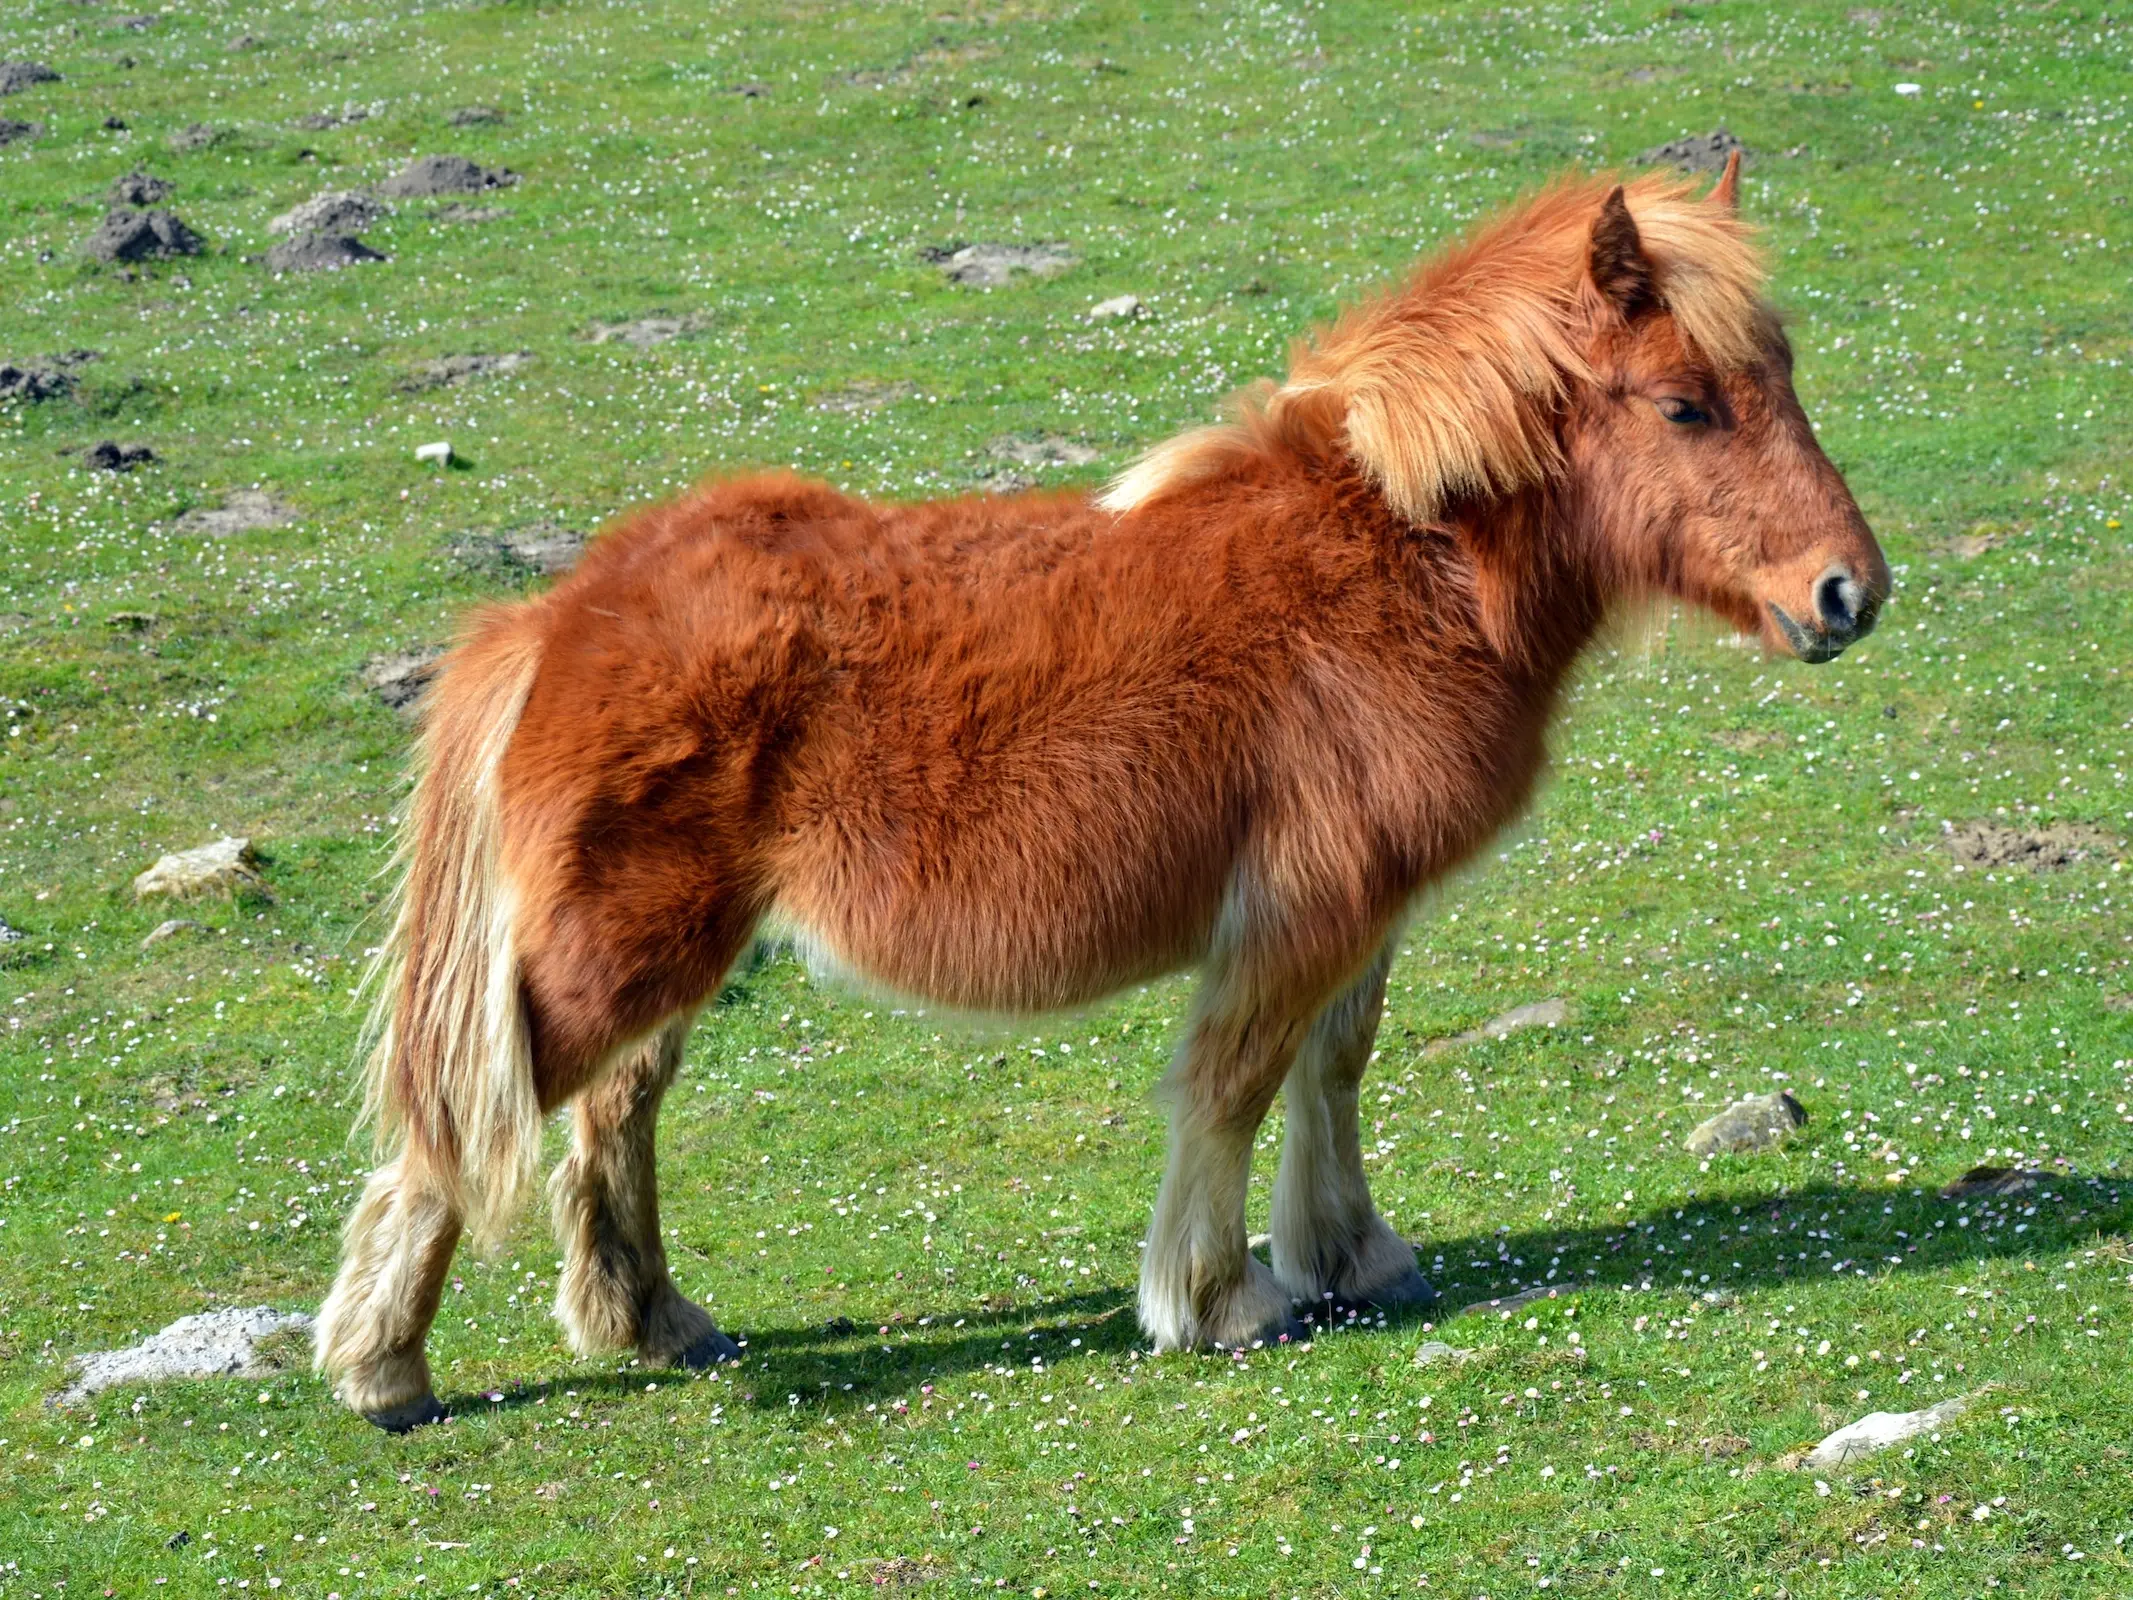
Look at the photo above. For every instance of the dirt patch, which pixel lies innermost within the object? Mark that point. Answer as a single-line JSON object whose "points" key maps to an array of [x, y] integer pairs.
{"points": [[543, 549], [475, 117], [1042, 450], [12, 131], [989, 266], [320, 121], [750, 91], [450, 371], [213, 1344], [428, 176], [465, 213], [344, 211], [53, 380], [198, 136], [16, 76], [1994, 844], [1746, 739], [241, 511], [645, 332], [1976, 539], [141, 189], [865, 394], [111, 456], [901, 1572], [320, 252], [1697, 152], [400, 678], [127, 235]]}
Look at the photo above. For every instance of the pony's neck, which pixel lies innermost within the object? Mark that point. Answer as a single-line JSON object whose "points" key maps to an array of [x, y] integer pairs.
{"points": [[1539, 594]]}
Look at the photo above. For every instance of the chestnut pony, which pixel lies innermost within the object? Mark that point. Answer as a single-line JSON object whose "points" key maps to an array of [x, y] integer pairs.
{"points": [[1012, 754]]}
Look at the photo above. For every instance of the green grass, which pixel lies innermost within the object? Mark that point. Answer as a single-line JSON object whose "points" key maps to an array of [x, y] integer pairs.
{"points": [[1737, 876]]}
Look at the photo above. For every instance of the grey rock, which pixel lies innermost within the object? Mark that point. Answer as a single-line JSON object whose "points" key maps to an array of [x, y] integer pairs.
{"points": [[1878, 1430], [16, 76], [219, 867], [426, 176], [168, 929], [141, 189], [1435, 1351], [1982, 1183], [1506, 1304], [1756, 1123], [1696, 152], [342, 211], [128, 235], [320, 252], [1549, 1013], [212, 1344], [241, 511], [989, 266], [10, 934], [400, 677]]}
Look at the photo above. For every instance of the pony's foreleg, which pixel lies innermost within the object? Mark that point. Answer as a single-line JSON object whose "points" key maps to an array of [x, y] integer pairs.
{"points": [[396, 1251], [1200, 1286], [615, 1291], [1328, 1238]]}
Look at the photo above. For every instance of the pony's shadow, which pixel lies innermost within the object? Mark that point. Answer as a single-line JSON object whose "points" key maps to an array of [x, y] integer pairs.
{"points": [[1878, 1234]]}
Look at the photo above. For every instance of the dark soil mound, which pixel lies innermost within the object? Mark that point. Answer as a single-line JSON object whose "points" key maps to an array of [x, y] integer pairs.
{"points": [[51, 381], [427, 176], [320, 252], [1994, 844], [140, 189], [141, 236], [16, 76], [1696, 152], [338, 211], [11, 131], [111, 456]]}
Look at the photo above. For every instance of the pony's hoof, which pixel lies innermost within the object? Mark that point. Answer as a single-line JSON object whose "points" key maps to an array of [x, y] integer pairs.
{"points": [[1408, 1292], [709, 1351], [405, 1419]]}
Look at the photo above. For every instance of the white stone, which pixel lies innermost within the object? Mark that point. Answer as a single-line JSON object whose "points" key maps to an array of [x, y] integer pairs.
{"points": [[1910, 91], [224, 864], [1877, 1430], [440, 452], [1126, 305]]}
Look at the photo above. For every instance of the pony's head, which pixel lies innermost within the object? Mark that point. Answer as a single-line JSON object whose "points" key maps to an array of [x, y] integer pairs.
{"points": [[1697, 472], [1607, 347]]}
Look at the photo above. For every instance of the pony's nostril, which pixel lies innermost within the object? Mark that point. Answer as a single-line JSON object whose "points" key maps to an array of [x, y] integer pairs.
{"points": [[1838, 600]]}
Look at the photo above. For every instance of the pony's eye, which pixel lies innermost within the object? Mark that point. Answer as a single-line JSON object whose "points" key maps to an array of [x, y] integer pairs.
{"points": [[1680, 411]]}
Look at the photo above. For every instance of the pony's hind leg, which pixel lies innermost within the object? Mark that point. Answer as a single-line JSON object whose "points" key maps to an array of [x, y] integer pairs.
{"points": [[396, 1251], [615, 1291], [1328, 1238]]}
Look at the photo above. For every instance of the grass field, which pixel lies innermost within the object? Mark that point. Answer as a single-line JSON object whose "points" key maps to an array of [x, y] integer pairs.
{"points": [[1741, 875]]}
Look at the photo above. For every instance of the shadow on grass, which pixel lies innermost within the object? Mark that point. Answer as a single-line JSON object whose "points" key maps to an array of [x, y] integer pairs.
{"points": [[1825, 1231]]}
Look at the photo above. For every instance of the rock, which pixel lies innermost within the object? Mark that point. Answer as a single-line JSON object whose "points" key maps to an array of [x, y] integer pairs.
{"points": [[1042, 450], [140, 189], [223, 866], [168, 930], [988, 266], [399, 677], [451, 371], [320, 252], [343, 211], [1549, 1013], [241, 511], [645, 332], [110, 456], [1506, 1304], [212, 1344], [439, 452], [10, 934], [16, 76], [1910, 91], [197, 136], [1706, 152], [13, 129], [865, 394], [1877, 1430], [475, 117], [1756, 1123], [1994, 1182], [1126, 306], [127, 235], [1434, 1351], [1993, 844], [434, 175]]}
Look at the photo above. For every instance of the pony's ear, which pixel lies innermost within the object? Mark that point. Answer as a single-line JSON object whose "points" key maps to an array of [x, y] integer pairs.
{"points": [[1619, 270], [1726, 193]]}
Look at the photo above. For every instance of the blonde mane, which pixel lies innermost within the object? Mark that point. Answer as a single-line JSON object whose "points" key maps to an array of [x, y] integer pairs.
{"points": [[1442, 386]]}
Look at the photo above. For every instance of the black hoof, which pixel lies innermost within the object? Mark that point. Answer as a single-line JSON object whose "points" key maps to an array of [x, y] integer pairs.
{"points": [[405, 1419], [1411, 1293], [709, 1351]]}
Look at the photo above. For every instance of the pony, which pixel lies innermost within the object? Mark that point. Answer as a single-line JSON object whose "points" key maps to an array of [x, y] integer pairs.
{"points": [[1012, 754]]}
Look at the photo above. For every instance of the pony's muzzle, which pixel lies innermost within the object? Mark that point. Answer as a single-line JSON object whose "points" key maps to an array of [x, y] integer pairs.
{"points": [[1845, 613]]}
